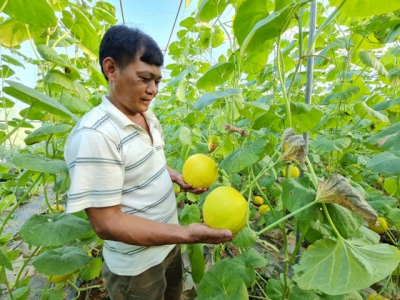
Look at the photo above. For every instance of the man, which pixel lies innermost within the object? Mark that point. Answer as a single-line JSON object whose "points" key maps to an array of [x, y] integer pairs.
{"points": [[120, 178]]}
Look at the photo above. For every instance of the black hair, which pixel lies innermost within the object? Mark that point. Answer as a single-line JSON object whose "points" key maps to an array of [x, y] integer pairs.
{"points": [[123, 44]]}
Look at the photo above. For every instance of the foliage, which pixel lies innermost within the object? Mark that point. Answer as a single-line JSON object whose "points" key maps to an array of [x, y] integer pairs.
{"points": [[253, 86]]}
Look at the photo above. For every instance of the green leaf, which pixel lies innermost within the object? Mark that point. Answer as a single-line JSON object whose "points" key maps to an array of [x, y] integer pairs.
{"points": [[245, 238], [270, 27], [242, 158], [4, 260], [61, 261], [247, 16], [6, 72], [36, 99], [190, 214], [208, 99], [346, 222], [388, 138], [21, 293], [275, 289], [210, 9], [7, 201], [53, 230], [305, 116], [39, 163], [104, 11], [364, 110], [51, 55], [222, 282], [34, 12], [13, 32], [196, 257], [297, 193], [365, 8], [43, 133], [75, 105], [12, 61], [385, 163], [341, 96], [185, 136], [369, 60], [387, 105], [341, 267], [325, 145], [216, 75], [91, 270], [246, 262], [83, 29]]}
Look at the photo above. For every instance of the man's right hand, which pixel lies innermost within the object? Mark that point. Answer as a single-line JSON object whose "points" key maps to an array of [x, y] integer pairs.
{"points": [[201, 233]]}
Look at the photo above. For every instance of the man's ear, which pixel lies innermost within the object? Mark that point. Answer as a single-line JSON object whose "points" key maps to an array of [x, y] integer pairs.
{"points": [[109, 68]]}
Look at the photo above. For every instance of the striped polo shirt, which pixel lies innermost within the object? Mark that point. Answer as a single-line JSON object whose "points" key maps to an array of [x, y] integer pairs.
{"points": [[112, 161]]}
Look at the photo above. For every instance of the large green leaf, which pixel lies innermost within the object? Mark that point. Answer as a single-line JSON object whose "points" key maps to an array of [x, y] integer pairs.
{"points": [[75, 105], [190, 214], [247, 16], [44, 132], [61, 261], [104, 11], [242, 158], [305, 117], [388, 138], [51, 55], [53, 230], [13, 32], [83, 29], [222, 282], [365, 8], [369, 60], [326, 145], [388, 104], [36, 99], [33, 12], [341, 267], [216, 75], [364, 110], [6, 71], [40, 163], [297, 193], [270, 27], [92, 270], [210, 98], [385, 163], [246, 262], [210, 9], [197, 262], [340, 96]]}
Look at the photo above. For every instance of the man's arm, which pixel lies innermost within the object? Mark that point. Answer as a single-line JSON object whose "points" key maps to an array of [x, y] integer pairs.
{"points": [[111, 223]]}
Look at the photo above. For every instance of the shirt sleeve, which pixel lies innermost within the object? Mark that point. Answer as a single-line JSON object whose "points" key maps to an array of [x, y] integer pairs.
{"points": [[96, 171]]}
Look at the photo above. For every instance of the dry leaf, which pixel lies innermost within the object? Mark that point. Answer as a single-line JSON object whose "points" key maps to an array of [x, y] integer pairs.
{"points": [[337, 190]]}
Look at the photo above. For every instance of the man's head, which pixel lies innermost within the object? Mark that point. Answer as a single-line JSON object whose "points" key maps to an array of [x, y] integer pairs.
{"points": [[124, 44]]}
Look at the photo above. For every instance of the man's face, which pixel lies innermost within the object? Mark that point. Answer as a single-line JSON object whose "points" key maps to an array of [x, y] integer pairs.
{"points": [[133, 88]]}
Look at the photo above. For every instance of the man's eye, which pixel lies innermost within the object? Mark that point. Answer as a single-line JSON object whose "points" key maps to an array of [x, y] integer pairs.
{"points": [[146, 79]]}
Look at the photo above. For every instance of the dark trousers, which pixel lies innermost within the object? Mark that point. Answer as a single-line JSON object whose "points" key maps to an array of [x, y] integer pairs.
{"points": [[161, 282]]}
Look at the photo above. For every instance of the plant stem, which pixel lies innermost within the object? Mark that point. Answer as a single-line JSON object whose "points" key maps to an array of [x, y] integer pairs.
{"points": [[24, 265], [45, 289], [16, 127], [11, 212], [263, 171], [286, 217], [279, 63], [330, 220]]}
